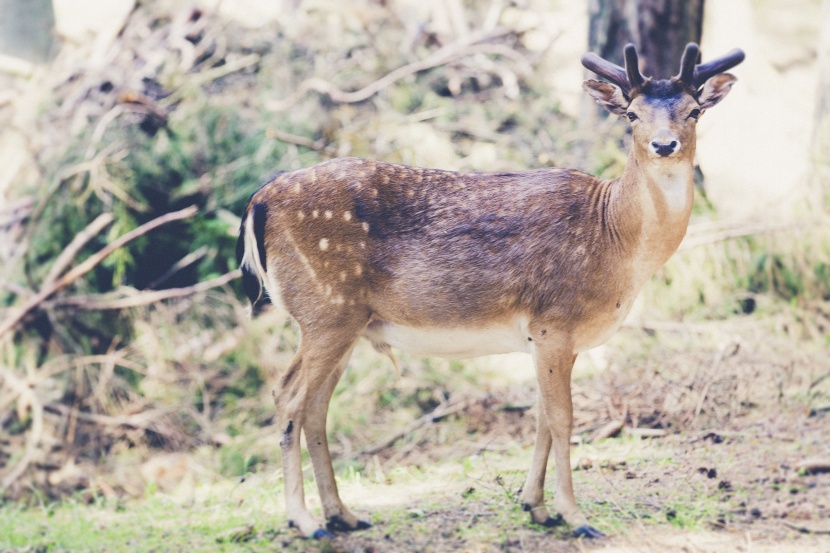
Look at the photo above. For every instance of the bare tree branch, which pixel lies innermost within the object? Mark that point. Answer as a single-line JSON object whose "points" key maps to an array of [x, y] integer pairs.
{"points": [[50, 288], [71, 250], [100, 302], [25, 393], [464, 47]]}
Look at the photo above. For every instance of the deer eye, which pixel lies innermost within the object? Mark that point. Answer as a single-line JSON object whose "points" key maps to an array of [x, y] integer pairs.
{"points": [[631, 116], [695, 113]]}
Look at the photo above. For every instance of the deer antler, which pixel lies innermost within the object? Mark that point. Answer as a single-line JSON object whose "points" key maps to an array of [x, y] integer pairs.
{"points": [[687, 64], [606, 69], [719, 65], [627, 79], [632, 66], [630, 78]]}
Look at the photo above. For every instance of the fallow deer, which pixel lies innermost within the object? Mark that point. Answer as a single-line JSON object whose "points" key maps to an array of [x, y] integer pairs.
{"points": [[459, 265]]}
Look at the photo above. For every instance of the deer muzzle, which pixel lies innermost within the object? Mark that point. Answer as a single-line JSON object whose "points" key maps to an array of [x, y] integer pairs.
{"points": [[664, 144]]}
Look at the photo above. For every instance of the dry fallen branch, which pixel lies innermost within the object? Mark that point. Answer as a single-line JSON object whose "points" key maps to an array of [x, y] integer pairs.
{"points": [[55, 366], [807, 529], [90, 263], [71, 251], [26, 394], [440, 412], [814, 465], [142, 421], [606, 431], [185, 261], [100, 302], [464, 47], [199, 79], [16, 211], [701, 235], [318, 145]]}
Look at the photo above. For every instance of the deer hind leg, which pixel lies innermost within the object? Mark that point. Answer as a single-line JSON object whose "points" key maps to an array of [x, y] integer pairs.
{"points": [[554, 362], [338, 517], [310, 371]]}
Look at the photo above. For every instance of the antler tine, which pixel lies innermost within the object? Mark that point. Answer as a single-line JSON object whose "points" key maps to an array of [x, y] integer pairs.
{"points": [[605, 68], [632, 66], [709, 69], [687, 63]]}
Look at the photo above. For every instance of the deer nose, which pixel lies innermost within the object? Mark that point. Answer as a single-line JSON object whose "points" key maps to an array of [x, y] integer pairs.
{"points": [[664, 146]]}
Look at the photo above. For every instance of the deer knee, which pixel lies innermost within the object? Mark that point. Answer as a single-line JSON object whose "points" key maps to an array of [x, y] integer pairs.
{"points": [[287, 438]]}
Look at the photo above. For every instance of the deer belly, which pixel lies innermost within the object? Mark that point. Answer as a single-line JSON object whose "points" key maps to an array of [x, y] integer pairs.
{"points": [[454, 343]]}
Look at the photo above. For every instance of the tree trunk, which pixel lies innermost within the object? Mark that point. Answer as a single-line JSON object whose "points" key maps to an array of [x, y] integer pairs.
{"points": [[659, 28], [821, 131], [26, 29]]}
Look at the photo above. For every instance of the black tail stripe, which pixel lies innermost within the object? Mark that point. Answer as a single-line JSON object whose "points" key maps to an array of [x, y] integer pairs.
{"points": [[260, 212], [251, 285]]}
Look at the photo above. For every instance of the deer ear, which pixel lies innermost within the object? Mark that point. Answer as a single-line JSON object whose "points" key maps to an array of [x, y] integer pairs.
{"points": [[607, 95], [715, 90]]}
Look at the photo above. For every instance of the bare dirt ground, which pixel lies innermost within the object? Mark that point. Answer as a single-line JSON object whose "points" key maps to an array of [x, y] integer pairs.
{"points": [[739, 460]]}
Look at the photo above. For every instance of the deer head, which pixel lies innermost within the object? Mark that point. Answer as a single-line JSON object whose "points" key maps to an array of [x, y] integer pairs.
{"points": [[663, 113]]}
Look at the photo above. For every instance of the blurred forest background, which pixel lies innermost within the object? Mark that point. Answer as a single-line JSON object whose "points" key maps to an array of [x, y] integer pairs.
{"points": [[133, 132]]}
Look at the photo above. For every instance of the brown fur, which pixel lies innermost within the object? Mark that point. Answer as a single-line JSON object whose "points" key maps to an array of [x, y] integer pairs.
{"points": [[438, 249]]}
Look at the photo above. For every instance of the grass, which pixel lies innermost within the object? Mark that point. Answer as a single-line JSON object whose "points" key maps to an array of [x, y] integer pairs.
{"points": [[469, 502], [213, 522]]}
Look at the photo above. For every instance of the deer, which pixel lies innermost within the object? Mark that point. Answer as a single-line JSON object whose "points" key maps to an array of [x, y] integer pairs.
{"points": [[465, 264]]}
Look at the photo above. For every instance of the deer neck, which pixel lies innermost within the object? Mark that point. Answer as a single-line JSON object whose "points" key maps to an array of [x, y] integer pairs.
{"points": [[665, 192]]}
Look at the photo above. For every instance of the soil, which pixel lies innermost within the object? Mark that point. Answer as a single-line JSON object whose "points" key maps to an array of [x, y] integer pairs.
{"points": [[739, 461]]}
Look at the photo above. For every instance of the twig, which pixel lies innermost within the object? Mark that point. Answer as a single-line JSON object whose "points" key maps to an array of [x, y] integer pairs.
{"points": [[210, 75], [318, 145], [814, 465], [189, 259], [71, 250], [645, 432], [701, 236], [443, 410], [97, 302], [805, 529], [608, 430], [100, 129], [90, 263], [138, 420], [818, 381], [442, 56], [55, 366], [24, 393], [13, 212]]}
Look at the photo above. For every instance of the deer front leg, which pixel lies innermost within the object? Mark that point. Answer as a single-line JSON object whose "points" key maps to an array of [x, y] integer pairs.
{"points": [[533, 492], [554, 363]]}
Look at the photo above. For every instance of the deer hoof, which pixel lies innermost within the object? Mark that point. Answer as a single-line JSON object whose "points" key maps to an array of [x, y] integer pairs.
{"points": [[363, 525], [551, 522], [337, 524], [587, 531], [321, 534]]}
